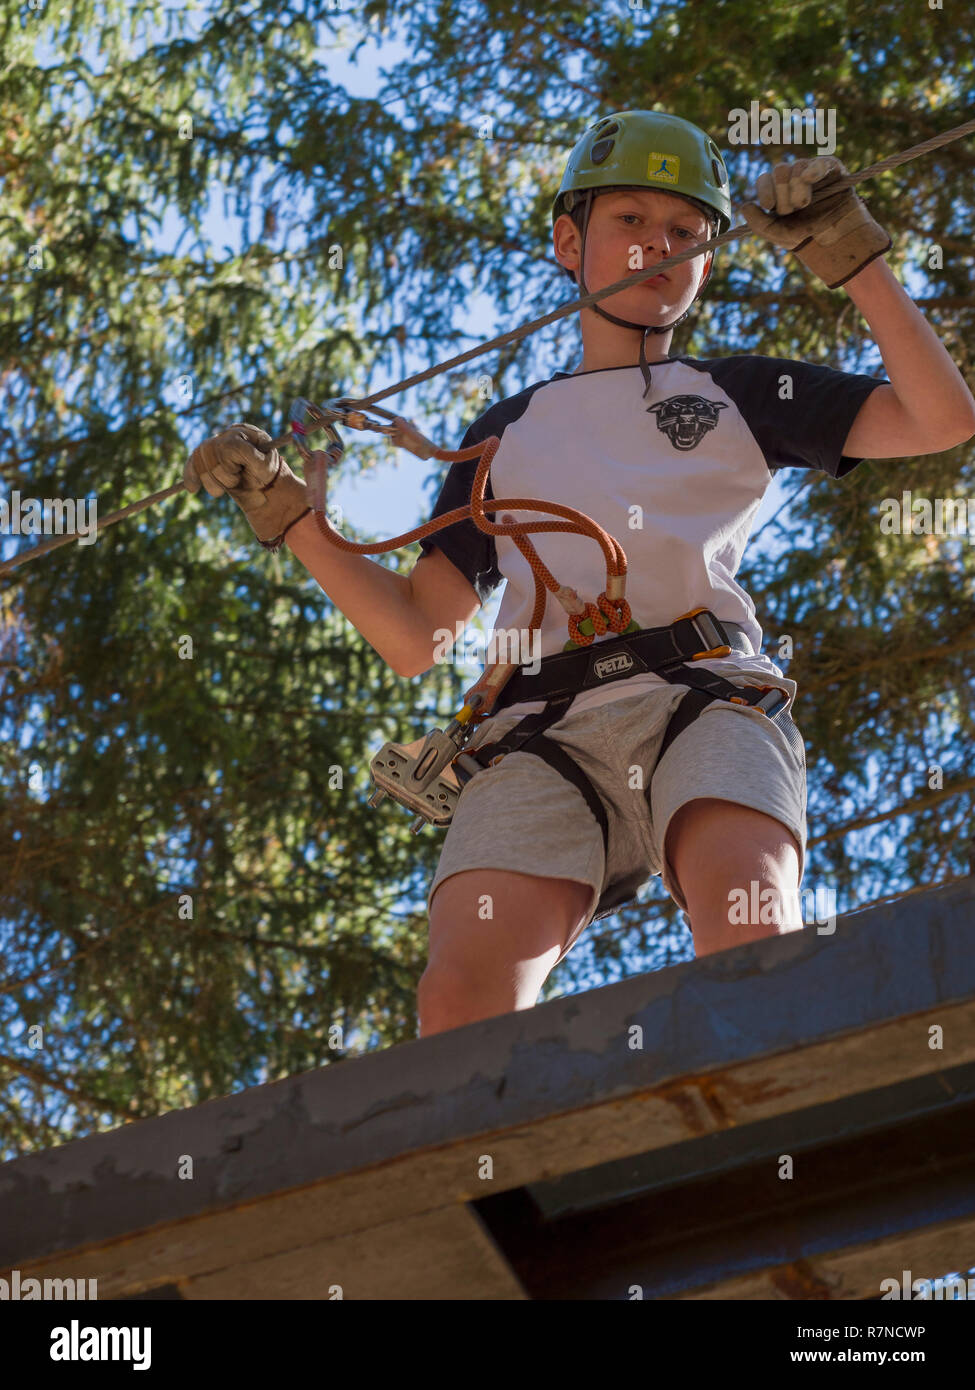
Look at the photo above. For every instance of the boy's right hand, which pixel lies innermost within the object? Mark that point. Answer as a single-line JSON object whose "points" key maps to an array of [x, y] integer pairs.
{"points": [[241, 461]]}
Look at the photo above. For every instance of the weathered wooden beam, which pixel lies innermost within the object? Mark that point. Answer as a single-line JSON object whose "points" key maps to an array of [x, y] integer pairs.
{"points": [[820, 1205], [766, 1031]]}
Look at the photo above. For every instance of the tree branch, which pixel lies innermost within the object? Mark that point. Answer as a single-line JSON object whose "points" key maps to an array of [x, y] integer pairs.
{"points": [[906, 808], [59, 1083]]}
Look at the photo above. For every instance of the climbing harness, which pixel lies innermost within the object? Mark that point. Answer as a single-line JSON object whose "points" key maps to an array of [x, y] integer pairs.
{"points": [[429, 781], [696, 636]]}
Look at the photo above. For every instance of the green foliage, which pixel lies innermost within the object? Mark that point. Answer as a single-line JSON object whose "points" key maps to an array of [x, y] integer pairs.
{"points": [[156, 776]]}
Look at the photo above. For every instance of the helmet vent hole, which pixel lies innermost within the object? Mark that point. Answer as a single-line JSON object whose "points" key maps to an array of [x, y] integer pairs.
{"points": [[601, 149]]}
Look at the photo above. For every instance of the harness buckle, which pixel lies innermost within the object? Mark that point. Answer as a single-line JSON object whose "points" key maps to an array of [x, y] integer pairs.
{"points": [[773, 698], [709, 630]]}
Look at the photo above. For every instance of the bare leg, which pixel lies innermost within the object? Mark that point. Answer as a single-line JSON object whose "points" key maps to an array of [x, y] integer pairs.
{"points": [[494, 937], [718, 850]]}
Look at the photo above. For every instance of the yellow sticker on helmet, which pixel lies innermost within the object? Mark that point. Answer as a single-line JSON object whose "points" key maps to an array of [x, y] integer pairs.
{"points": [[663, 167]]}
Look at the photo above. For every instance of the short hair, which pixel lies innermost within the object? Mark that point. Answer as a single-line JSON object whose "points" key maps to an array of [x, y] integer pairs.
{"points": [[579, 210]]}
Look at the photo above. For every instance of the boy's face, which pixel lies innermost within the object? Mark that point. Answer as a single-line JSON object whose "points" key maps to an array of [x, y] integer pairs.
{"points": [[661, 224]]}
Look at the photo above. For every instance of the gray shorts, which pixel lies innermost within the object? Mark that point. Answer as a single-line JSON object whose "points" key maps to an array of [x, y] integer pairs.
{"points": [[523, 816]]}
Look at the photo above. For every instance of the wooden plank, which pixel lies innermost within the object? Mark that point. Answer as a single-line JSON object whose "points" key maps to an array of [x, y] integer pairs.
{"points": [[654, 1032], [441, 1254], [660, 1116], [856, 1272], [764, 1030]]}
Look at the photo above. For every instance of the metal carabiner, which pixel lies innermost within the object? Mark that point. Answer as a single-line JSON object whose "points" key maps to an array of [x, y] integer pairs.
{"points": [[315, 466], [305, 418]]}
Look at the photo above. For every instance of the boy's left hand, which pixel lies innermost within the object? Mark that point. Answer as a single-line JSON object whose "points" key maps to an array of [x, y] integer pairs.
{"points": [[836, 238]]}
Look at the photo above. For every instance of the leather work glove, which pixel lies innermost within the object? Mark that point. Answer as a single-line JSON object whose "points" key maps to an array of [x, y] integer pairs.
{"points": [[241, 461], [836, 237]]}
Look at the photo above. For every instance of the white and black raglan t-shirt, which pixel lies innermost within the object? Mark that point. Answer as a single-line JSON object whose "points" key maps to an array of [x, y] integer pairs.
{"points": [[677, 478]]}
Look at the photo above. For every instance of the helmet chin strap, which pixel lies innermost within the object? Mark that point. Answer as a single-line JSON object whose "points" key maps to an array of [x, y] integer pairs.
{"points": [[643, 328]]}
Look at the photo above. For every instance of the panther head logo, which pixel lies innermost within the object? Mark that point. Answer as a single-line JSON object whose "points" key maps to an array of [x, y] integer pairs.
{"points": [[686, 419]]}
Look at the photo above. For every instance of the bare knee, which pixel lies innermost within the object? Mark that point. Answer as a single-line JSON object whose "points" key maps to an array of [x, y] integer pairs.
{"points": [[738, 871], [446, 998], [494, 938], [485, 922]]}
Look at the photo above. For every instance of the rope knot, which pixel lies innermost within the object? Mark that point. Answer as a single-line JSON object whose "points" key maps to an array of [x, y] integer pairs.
{"points": [[610, 615]]}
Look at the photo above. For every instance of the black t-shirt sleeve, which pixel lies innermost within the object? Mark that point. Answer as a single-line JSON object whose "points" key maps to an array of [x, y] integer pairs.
{"points": [[807, 428], [473, 552]]}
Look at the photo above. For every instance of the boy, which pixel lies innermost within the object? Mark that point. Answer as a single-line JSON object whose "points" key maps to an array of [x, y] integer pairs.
{"points": [[672, 456]]}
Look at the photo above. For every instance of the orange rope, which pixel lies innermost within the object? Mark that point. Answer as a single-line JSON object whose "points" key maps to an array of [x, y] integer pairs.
{"points": [[610, 612]]}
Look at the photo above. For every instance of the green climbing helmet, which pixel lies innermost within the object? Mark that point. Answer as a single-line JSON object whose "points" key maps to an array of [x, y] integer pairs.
{"points": [[647, 149]]}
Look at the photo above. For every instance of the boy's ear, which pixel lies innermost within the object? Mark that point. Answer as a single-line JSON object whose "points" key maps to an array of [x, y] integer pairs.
{"points": [[567, 243]]}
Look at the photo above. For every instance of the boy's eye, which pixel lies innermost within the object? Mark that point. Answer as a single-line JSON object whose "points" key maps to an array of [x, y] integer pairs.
{"points": [[695, 236]]}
